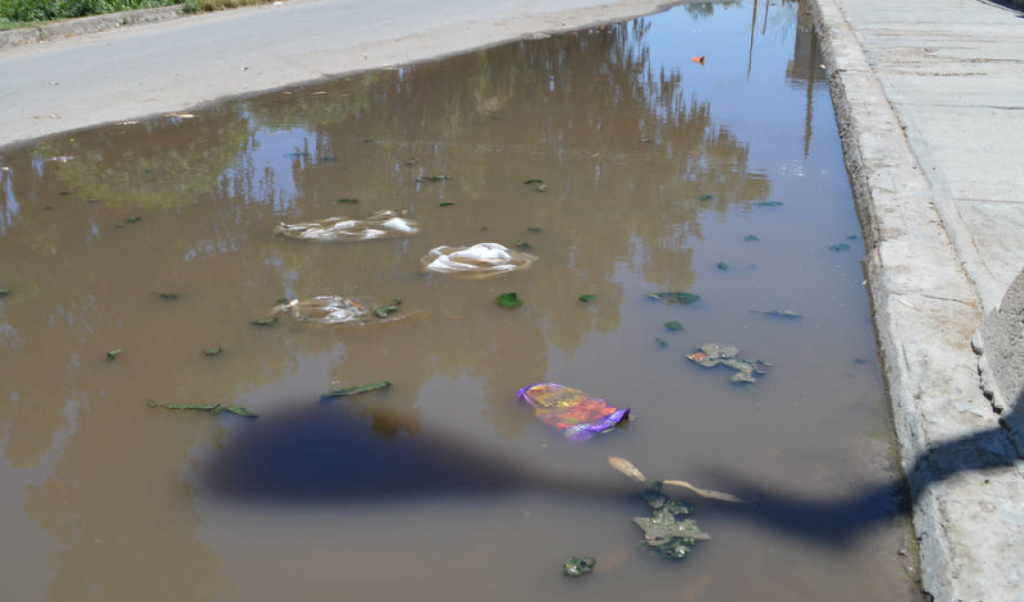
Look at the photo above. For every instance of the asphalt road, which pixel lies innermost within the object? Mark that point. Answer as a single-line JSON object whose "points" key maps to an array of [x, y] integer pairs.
{"points": [[89, 79]]}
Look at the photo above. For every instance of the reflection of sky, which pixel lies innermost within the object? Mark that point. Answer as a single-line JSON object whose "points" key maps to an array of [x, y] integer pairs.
{"points": [[765, 107]]}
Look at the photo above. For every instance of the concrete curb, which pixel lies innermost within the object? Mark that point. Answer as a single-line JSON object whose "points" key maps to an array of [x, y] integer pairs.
{"points": [[86, 25], [925, 313]]}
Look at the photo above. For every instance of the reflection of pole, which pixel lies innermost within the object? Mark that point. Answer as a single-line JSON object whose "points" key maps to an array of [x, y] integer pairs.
{"points": [[812, 64], [750, 54], [764, 27]]}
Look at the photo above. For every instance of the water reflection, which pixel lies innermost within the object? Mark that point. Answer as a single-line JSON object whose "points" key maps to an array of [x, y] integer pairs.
{"points": [[627, 146]]}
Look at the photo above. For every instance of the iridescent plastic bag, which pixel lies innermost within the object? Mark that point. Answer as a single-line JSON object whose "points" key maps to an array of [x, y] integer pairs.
{"points": [[571, 411]]}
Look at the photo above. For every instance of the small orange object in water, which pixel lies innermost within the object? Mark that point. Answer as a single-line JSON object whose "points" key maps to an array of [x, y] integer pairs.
{"points": [[699, 59]]}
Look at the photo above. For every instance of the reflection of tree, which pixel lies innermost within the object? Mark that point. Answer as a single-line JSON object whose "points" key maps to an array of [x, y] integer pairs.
{"points": [[625, 152], [126, 168]]}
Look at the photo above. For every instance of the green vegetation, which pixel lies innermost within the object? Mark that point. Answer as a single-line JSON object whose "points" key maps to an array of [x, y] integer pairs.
{"points": [[22, 13], [28, 11]]}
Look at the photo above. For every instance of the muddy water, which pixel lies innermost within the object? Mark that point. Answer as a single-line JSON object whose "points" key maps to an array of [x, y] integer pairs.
{"points": [[444, 487]]}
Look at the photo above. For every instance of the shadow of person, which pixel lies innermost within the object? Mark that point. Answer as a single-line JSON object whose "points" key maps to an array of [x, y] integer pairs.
{"points": [[838, 521]]}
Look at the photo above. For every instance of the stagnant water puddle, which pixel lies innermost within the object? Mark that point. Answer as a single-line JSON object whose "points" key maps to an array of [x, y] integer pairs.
{"points": [[724, 179]]}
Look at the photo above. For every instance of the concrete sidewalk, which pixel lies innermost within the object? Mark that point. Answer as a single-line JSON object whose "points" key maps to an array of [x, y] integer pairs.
{"points": [[930, 100]]}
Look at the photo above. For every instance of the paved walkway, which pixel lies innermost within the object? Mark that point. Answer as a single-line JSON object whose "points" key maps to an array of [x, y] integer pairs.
{"points": [[930, 100]]}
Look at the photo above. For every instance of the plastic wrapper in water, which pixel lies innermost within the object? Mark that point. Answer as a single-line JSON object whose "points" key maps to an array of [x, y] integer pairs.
{"points": [[383, 224], [326, 310], [575, 413], [480, 260]]}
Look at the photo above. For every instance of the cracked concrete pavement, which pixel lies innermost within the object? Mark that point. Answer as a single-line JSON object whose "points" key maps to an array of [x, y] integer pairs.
{"points": [[929, 95]]}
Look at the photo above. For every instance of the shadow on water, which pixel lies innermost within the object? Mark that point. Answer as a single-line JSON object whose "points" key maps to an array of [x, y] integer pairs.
{"points": [[324, 452], [838, 521]]}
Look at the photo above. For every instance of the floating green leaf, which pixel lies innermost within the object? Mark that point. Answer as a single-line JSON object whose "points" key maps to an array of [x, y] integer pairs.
{"points": [[769, 203], [674, 325], [778, 313], [446, 204], [577, 567], [387, 310], [675, 297], [265, 321], [212, 351], [133, 219], [346, 200], [534, 182], [706, 197], [350, 391], [509, 300], [664, 532], [661, 342], [167, 295], [212, 408], [751, 237], [840, 247], [588, 298], [722, 266], [112, 354]]}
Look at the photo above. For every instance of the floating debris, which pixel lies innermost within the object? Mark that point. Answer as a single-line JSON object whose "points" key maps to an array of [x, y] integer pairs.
{"points": [[699, 59], [212, 351], [769, 203], [778, 313], [112, 354], [437, 178], [722, 266], [675, 297], [326, 309], [4, 292], [265, 321], [522, 245], [387, 310], [661, 342], [839, 247], [534, 229], [579, 566], [674, 325], [707, 197], [713, 354], [383, 224], [411, 162], [446, 204], [534, 182], [541, 188], [588, 298], [481, 260], [297, 155], [212, 408], [509, 300], [167, 295], [133, 219], [630, 470], [346, 200], [664, 531], [751, 237], [852, 237], [350, 391], [577, 414]]}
